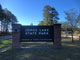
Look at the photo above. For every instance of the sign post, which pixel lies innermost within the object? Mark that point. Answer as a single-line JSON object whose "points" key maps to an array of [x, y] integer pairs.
{"points": [[16, 35], [79, 36], [57, 36]]}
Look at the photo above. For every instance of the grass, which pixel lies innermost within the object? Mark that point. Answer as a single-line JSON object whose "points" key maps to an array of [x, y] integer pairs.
{"points": [[70, 51], [4, 45]]}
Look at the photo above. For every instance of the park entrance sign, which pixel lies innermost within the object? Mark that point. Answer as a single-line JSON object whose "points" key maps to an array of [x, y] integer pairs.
{"points": [[22, 33], [36, 33]]}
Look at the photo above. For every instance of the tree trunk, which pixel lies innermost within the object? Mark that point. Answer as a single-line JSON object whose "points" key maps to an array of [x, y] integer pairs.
{"points": [[72, 37], [79, 37], [6, 31], [1, 26]]}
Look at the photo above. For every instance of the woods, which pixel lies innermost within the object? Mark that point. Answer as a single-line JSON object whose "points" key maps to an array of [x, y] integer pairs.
{"points": [[7, 18], [73, 21]]}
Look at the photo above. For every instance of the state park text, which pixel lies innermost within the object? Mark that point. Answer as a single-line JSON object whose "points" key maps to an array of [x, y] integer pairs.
{"points": [[36, 33]]}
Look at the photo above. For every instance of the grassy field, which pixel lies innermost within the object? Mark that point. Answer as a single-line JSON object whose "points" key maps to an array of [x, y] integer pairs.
{"points": [[40, 51]]}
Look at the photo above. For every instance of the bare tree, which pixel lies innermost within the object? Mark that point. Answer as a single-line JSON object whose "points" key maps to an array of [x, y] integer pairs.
{"points": [[73, 19]]}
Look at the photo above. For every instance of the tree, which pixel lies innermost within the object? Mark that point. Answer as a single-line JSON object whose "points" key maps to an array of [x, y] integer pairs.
{"points": [[78, 20], [41, 23], [2, 16], [0, 7], [50, 16], [31, 24], [64, 26], [6, 19], [73, 19], [9, 19]]}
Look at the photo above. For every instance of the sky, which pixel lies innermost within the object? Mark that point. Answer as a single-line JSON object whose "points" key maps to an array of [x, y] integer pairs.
{"points": [[31, 11]]}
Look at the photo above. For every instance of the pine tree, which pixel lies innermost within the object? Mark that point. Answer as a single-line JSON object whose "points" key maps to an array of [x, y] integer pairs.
{"points": [[50, 16]]}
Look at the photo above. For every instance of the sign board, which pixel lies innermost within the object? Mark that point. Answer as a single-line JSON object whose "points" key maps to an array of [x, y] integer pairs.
{"points": [[36, 33], [15, 30]]}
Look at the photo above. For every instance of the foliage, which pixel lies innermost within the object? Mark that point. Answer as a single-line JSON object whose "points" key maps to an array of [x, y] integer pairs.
{"points": [[31, 24], [50, 16], [6, 19], [64, 26], [73, 20]]}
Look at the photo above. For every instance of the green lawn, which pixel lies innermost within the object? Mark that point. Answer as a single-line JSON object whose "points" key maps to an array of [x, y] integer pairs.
{"points": [[40, 51]]}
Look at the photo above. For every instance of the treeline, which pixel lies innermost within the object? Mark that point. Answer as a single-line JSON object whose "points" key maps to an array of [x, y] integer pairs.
{"points": [[71, 24], [50, 17], [7, 18]]}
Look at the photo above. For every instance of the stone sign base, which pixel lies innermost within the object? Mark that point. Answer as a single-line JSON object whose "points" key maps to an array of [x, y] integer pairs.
{"points": [[57, 36], [16, 36]]}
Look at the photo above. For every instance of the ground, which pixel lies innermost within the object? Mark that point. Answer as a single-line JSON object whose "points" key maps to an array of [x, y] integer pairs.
{"points": [[40, 51]]}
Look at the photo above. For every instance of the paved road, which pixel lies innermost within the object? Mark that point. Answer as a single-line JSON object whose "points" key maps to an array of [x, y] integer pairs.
{"points": [[69, 36], [9, 37], [6, 37]]}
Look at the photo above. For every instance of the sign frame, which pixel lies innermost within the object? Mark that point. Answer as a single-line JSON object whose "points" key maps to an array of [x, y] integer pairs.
{"points": [[37, 38]]}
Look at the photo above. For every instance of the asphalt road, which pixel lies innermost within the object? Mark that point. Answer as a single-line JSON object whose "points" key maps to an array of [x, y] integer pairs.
{"points": [[9, 37], [69, 36], [5, 37]]}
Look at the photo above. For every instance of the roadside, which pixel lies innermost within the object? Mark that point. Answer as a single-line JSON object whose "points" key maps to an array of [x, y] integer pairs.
{"points": [[40, 51], [5, 37], [70, 36], [9, 37]]}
